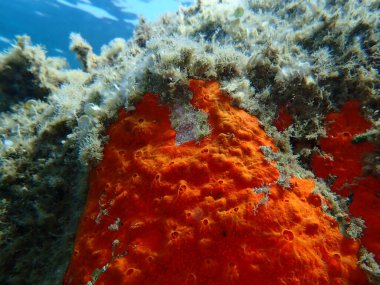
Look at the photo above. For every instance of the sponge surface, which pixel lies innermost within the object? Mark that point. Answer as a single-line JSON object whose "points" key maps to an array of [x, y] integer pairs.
{"points": [[207, 212]]}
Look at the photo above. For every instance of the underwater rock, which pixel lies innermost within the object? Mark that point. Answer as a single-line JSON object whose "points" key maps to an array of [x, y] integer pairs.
{"points": [[286, 65]]}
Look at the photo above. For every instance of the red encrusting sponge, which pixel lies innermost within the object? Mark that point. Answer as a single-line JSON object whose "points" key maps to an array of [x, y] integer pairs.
{"points": [[283, 119], [343, 160], [206, 212]]}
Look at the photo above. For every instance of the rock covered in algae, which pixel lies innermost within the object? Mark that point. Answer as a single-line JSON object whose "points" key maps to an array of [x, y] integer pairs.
{"points": [[288, 63]]}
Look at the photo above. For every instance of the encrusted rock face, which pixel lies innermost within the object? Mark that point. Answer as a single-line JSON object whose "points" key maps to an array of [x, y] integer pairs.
{"points": [[206, 212], [286, 69]]}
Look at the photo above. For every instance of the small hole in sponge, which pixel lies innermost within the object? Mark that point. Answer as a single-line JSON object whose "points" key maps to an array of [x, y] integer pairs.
{"points": [[336, 256], [141, 120], [205, 222], [288, 235], [314, 200], [130, 271], [311, 229], [182, 188], [174, 235], [217, 196], [149, 258]]}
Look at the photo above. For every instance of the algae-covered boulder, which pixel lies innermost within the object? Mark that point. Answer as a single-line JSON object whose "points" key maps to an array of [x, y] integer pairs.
{"points": [[301, 82]]}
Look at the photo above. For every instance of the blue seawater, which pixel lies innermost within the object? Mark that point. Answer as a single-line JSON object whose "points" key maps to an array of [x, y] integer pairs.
{"points": [[50, 22]]}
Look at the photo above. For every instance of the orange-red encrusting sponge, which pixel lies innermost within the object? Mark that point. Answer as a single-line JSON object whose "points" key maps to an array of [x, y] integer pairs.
{"points": [[207, 212], [283, 119], [343, 159]]}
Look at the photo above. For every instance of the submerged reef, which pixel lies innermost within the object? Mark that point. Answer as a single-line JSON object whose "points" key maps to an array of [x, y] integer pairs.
{"points": [[232, 142]]}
